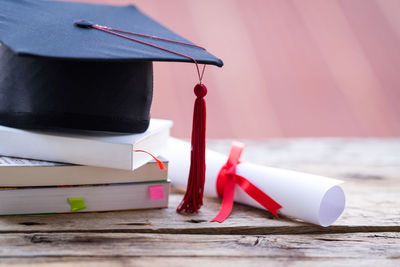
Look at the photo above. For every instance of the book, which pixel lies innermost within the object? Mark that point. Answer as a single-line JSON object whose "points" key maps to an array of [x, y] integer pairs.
{"points": [[18, 172], [108, 197], [102, 149]]}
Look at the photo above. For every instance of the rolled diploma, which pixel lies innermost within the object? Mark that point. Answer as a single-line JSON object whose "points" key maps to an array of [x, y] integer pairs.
{"points": [[311, 198]]}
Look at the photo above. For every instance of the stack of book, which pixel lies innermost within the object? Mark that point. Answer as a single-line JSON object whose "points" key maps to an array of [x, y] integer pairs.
{"points": [[57, 172]]}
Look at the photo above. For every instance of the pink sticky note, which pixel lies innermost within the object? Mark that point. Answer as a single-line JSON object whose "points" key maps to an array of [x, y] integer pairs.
{"points": [[156, 192]]}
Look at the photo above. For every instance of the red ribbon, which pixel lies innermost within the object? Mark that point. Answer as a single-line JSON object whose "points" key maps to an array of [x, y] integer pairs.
{"points": [[159, 162], [226, 181]]}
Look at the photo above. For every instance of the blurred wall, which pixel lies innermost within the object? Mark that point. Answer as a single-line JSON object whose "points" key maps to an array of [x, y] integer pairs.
{"points": [[292, 68]]}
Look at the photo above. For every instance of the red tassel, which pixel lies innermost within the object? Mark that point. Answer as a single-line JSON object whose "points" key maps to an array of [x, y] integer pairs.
{"points": [[193, 199]]}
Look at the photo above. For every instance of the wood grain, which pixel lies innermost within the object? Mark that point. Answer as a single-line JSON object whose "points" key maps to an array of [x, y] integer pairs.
{"points": [[194, 261], [376, 245], [355, 158], [364, 213], [367, 233], [373, 202]]}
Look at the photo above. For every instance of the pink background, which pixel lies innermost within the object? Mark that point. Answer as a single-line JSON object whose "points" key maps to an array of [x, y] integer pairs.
{"points": [[292, 68]]}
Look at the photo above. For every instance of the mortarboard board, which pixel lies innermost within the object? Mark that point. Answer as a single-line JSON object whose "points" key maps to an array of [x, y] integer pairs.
{"points": [[53, 74], [60, 69]]}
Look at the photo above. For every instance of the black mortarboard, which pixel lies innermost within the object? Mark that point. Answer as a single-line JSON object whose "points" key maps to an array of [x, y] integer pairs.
{"points": [[56, 75], [60, 69]]}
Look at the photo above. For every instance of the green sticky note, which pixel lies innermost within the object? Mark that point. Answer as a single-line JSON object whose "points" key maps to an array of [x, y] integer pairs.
{"points": [[76, 203]]}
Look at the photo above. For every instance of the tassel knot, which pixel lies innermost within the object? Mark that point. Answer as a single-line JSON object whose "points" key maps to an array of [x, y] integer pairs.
{"points": [[200, 90]]}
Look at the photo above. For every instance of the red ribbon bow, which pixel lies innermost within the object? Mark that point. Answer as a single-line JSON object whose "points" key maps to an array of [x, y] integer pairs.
{"points": [[226, 181]]}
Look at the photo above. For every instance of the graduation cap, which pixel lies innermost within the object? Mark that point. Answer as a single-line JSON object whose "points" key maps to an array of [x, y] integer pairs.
{"points": [[86, 66]]}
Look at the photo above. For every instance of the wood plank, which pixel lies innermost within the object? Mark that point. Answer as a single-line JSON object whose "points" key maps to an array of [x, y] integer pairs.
{"points": [[372, 206], [193, 261], [358, 158], [372, 197], [150, 237], [329, 246]]}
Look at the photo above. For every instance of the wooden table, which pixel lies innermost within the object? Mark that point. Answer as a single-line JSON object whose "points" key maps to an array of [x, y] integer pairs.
{"points": [[368, 232]]}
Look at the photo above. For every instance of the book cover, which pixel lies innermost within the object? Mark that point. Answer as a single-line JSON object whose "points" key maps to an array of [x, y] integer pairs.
{"points": [[106, 197], [19, 172], [102, 149]]}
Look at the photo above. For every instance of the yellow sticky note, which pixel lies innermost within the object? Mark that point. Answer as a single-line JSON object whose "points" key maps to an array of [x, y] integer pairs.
{"points": [[76, 203]]}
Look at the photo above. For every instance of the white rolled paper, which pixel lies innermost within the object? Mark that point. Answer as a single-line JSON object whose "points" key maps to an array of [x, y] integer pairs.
{"points": [[311, 198]]}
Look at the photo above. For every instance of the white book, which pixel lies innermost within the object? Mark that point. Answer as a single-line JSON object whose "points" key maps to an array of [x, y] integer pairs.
{"points": [[39, 200], [18, 172], [102, 149]]}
